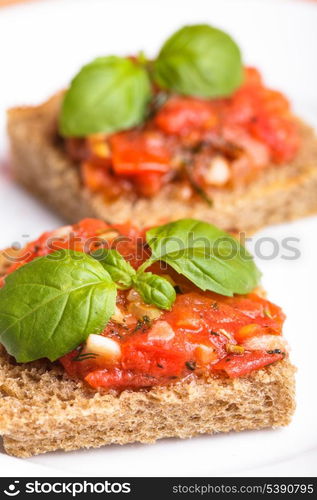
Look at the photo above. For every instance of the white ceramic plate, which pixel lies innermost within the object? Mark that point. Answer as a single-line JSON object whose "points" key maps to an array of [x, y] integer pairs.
{"points": [[42, 44]]}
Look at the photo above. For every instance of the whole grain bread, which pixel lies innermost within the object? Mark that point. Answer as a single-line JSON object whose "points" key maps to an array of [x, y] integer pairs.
{"points": [[42, 409], [40, 164]]}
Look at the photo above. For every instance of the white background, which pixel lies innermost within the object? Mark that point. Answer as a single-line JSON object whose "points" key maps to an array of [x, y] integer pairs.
{"points": [[42, 44]]}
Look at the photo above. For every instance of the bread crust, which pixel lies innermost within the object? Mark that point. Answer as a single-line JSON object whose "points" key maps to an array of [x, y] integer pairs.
{"points": [[42, 409], [280, 193]]}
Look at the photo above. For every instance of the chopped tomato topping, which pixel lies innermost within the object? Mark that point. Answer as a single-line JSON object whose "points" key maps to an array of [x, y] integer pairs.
{"points": [[252, 76], [180, 115], [261, 114], [150, 357], [149, 183], [137, 152], [238, 365], [193, 337], [279, 133], [90, 227], [85, 236], [183, 140], [120, 379], [203, 333], [99, 178], [265, 318]]}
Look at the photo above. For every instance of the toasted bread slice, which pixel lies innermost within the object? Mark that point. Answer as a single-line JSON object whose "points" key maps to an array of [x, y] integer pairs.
{"points": [[42, 409], [280, 193]]}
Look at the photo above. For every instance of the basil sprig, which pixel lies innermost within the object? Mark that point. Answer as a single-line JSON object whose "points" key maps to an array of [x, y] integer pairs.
{"points": [[209, 257], [153, 289], [109, 94], [50, 305], [199, 60], [112, 93], [119, 269]]}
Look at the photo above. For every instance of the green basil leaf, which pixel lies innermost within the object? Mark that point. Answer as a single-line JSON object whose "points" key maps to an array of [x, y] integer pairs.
{"points": [[155, 290], [199, 60], [109, 94], [119, 269], [50, 305], [210, 258]]}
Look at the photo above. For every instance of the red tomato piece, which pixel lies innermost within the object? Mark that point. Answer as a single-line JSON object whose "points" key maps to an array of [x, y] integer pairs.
{"points": [[199, 314], [76, 368], [153, 359], [279, 133], [95, 177], [252, 76], [149, 183], [135, 152], [120, 379], [181, 115], [241, 108], [238, 365], [264, 312], [273, 101], [90, 227]]}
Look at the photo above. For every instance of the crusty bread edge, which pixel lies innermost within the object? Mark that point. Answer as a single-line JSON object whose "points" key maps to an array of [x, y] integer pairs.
{"points": [[185, 409]]}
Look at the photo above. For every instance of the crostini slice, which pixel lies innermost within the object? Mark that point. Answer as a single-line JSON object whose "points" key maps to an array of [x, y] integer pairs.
{"points": [[218, 145], [160, 352]]}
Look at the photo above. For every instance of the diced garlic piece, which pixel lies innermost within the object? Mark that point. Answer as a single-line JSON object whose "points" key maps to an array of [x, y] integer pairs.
{"points": [[218, 172], [234, 349], [118, 316], [161, 330], [226, 334], [139, 310], [184, 192], [189, 323], [133, 296], [266, 343], [105, 347], [205, 354]]}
